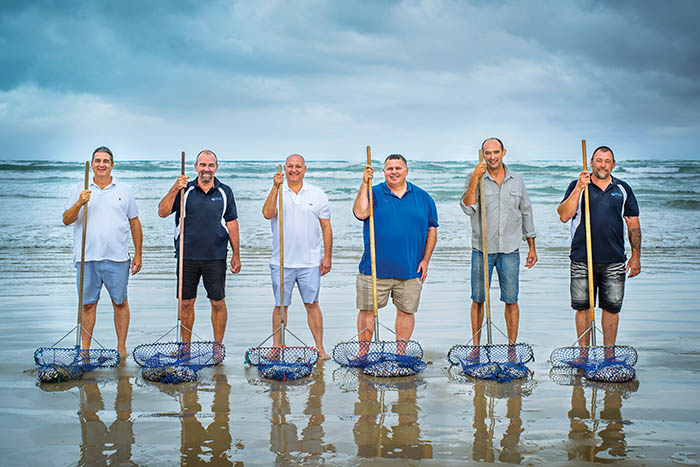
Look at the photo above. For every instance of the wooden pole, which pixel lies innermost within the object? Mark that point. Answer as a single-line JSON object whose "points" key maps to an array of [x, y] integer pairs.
{"points": [[589, 251], [82, 261], [485, 254], [279, 216], [372, 252]]}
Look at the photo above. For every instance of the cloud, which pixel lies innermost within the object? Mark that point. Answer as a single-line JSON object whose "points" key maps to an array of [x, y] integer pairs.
{"points": [[427, 78]]}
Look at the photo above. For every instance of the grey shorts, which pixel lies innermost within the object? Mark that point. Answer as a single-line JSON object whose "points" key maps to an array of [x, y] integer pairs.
{"points": [[608, 285]]}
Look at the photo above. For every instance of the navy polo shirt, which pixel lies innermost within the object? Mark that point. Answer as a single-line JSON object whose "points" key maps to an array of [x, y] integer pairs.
{"points": [[400, 231], [608, 210], [206, 215]]}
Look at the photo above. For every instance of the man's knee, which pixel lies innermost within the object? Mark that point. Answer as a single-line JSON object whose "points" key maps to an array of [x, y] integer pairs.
{"points": [[218, 306]]}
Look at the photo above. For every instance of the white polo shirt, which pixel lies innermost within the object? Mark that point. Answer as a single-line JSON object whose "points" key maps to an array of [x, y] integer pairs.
{"points": [[302, 229], [108, 228]]}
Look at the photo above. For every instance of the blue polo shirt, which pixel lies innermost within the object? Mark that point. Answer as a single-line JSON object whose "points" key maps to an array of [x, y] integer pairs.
{"points": [[206, 215], [400, 231], [608, 210]]}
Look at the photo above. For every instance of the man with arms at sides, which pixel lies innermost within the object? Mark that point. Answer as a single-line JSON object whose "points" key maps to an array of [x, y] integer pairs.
{"points": [[405, 226], [113, 214], [211, 223], [613, 207], [508, 220], [307, 217]]}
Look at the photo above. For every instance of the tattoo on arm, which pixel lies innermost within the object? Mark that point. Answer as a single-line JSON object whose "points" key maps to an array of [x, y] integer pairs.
{"points": [[635, 237]]}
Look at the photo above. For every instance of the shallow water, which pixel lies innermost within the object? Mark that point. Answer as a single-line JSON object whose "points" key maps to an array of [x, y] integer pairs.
{"points": [[338, 417]]}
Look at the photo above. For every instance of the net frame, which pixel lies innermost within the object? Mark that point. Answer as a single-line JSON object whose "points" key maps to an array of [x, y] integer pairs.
{"points": [[61, 364], [282, 363], [178, 362], [498, 362], [384, 359], [611, 363]]}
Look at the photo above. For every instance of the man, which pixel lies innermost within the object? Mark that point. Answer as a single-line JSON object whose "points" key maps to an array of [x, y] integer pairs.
{"points": [[405, 226], [613, 207], [305, 208], [113, 214], [211, 223], [508, 217]]}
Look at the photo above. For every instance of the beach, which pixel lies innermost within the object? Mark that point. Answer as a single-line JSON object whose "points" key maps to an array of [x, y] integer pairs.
{"points": [[336, 416]]}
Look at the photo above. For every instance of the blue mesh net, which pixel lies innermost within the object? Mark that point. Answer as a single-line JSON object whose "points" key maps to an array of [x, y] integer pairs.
{"points": [[177, 362], [60, 364], [386, 359], [500, 363], [613, 364], [282, 363]]}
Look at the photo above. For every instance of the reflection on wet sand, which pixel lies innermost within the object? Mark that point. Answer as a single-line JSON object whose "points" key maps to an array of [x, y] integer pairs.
{"points": [[372, 437], [284, 439], [584, 427], [101, 444], [484, 401], [210, 445]]}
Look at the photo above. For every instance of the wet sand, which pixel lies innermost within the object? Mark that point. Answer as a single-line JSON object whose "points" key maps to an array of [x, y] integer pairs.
{"points": [[337, 417]]}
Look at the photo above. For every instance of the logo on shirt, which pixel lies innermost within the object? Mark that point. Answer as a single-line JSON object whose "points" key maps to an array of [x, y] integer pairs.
{"points": [[616, 193], [216, 198]]}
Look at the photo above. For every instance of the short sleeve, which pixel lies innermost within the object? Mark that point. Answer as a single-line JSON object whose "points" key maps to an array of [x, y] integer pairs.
{"points": [[131, 210], [324, 211], [231, 213], [432, 212], [631, 205], [572, 185]]}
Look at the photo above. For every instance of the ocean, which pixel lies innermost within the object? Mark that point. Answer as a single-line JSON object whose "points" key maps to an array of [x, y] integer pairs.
{"points": [[232, 417], [33, 195]]}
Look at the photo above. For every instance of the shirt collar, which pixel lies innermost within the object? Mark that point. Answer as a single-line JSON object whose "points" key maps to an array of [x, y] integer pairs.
{"points": [[285, 187], [385, 188], [507, 175], [217, 183], [112, 183]]}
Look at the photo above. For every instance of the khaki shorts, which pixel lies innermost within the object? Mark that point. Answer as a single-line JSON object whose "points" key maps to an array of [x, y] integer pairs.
{"points": [[405, 293]]}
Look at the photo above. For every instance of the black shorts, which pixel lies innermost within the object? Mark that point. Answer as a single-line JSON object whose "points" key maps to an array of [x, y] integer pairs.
{"points": [[608, 285], [213, 273]]}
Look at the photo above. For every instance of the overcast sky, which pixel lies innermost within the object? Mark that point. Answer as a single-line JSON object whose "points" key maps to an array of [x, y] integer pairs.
{"points": [[430, 79]]}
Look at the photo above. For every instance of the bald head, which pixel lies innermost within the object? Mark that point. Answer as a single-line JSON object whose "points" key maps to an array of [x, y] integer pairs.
{"points": [[294, 157]]}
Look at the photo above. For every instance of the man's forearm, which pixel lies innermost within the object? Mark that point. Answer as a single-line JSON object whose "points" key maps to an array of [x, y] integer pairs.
{"points": [[635, 238], [567, 208], [137, 235], [430, 244], [469, 197], [269, 209], [327, 233], [361, 205], [70, 215]]}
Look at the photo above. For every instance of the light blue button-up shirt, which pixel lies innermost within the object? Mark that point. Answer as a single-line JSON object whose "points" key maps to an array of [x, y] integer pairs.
{"points": [[508, 213]]}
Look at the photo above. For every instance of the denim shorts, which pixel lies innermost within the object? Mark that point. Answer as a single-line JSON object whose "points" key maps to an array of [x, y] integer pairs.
{"points": [[508, 268], [113, 274], [608, 285], [308, 281]]}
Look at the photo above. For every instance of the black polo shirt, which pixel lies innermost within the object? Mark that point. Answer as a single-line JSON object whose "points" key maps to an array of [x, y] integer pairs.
{"points": [[608, 210], [206, 215]]}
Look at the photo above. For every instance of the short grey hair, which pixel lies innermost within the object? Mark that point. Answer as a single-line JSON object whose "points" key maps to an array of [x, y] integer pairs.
{"points": [[106, 150]]}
